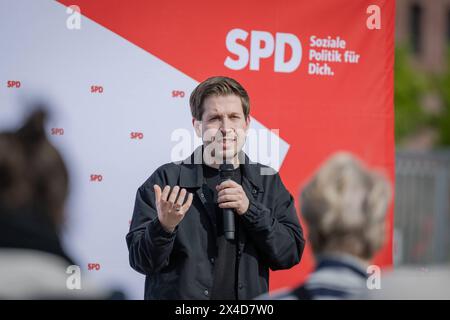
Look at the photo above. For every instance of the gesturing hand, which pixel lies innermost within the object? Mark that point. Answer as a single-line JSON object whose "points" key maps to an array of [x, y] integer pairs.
{"points": [[170, 207]]}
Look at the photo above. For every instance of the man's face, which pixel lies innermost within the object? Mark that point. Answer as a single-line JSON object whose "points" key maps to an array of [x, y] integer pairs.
{"points": [[223, 127]]}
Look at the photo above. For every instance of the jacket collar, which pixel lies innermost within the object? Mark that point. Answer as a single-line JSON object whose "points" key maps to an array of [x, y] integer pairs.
{"points": [[341, 261], [191, 172]]}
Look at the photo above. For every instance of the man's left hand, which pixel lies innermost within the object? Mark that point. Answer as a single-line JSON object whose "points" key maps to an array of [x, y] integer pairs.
{"points": [[231, 195]]}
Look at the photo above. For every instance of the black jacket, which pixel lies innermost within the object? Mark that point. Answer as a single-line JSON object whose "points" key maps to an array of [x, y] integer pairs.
{"points": [[180, 265]]}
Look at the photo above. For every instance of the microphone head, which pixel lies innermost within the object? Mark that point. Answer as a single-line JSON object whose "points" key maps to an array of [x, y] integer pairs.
{"points": [[226, 171]]}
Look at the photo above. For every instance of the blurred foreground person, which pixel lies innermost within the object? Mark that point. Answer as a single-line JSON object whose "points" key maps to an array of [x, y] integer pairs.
{"points": [[33, 190], [344, 206]]}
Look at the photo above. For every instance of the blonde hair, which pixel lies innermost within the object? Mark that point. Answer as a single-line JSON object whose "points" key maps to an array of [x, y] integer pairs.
{"points": [[344, 206]]}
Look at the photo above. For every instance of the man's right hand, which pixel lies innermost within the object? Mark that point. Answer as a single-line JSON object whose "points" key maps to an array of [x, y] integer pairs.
{"points": [[170, 207]]}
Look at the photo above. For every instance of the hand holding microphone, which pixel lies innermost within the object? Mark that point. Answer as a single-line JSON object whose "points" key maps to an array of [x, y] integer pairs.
{"points": [[230, 197]]}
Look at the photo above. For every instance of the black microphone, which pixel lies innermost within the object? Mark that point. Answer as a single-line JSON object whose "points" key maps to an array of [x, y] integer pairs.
{"points": [[226, 173]]}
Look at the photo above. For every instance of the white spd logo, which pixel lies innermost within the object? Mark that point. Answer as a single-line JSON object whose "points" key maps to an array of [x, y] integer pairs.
{"points": [[262, 46]]}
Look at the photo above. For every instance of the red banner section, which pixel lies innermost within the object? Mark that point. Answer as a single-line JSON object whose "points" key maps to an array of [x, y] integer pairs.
{"points": [[319, 71]]}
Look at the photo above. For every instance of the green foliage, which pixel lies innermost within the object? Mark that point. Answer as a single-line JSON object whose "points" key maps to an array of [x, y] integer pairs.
{"points": [[409, 86], [443, 121]]}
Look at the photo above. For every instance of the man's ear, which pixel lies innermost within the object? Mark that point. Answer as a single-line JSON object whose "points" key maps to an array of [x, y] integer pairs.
{"points": [[197, 126], [247, 123]]}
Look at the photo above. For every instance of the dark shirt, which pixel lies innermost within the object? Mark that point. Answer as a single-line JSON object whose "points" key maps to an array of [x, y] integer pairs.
{"points": [[225, 260]]}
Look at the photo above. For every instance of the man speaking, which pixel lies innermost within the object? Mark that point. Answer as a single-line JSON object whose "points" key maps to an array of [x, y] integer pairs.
{"points": [[211, 226]]}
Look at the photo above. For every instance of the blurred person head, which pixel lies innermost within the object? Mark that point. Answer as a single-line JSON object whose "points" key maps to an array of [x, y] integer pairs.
{"points": [[33, 190], [33, 176], [220, 108], [344, 205]]}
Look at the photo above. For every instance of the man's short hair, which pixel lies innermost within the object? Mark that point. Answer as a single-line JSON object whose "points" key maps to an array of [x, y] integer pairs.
{"points": [[217, 86]]}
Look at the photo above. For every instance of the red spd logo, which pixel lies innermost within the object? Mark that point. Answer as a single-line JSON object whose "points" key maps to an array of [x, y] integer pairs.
{"points": [[177, 94], [136, 135], [96, 89], [96, 178], [93, 266], [57, 131], [13, 84]]}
